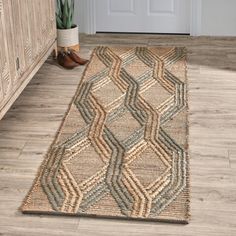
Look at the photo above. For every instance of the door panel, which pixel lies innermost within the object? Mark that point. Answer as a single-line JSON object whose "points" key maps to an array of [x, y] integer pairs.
{"points": [[161, 7], [121, 7], [145, 16]]}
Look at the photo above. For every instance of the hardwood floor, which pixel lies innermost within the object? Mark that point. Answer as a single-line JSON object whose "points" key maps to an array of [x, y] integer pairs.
{"points": [[29, 127]]}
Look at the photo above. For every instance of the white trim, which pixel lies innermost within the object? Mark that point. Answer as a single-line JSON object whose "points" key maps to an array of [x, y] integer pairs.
{"points": [[196, 18], [91, 16], [88, 16]]}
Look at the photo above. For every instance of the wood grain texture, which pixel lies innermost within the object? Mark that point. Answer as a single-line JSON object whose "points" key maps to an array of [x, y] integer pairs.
{"points": [[30, 125], [27, 30]]}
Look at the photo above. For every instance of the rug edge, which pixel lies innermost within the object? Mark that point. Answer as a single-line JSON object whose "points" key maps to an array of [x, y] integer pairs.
{"points": [[54, 213]]}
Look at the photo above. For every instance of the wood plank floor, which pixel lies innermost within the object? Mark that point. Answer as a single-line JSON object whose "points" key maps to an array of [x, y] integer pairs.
{"points": [[29, 127]]}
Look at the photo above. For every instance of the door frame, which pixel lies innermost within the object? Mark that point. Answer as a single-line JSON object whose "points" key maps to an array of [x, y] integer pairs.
{"points": [[87, 13], [196, 17]]}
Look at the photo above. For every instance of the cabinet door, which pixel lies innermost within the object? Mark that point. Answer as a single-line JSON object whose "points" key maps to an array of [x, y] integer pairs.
{"points": [[26, 31], [42, 25], [46, 24], [20, 27], [5, 77], [11, 43], [29, 29]]}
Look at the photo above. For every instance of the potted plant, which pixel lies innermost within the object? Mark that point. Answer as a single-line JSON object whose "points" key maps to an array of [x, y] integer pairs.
{"points": [[67, 35], [67, 31]]}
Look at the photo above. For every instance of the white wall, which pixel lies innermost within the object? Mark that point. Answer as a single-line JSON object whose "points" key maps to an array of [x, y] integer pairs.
{"points": [[218, 17], [211, 17]]}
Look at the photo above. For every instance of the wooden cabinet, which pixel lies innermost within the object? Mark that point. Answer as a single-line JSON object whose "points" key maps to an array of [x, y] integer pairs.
{"points": [[27, 37]]}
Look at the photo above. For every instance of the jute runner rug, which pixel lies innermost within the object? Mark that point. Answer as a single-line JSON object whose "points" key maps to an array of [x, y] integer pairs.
{"points": [[121, 150]]}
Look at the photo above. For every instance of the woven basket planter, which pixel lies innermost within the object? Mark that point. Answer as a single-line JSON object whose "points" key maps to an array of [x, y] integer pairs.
{"points": [[68, 37]]}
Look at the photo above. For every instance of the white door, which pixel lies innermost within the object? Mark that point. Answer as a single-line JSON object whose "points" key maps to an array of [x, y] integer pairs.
{"points": [[144, 16]]}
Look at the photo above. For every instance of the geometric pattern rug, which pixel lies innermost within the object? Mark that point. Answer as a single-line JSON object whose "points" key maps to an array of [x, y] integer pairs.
{"points": [[122, 148]]}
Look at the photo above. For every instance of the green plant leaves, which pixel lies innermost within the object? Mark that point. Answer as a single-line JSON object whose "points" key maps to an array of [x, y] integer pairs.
{"points": [[69, 10], [65, 14], [59, 22]]}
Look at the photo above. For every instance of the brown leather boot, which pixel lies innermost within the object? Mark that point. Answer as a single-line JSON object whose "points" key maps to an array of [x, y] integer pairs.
{"points": [[64, 60], [76, 58]]}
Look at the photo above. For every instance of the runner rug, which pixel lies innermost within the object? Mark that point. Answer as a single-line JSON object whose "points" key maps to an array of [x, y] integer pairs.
{"points": [[122, 148]]}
